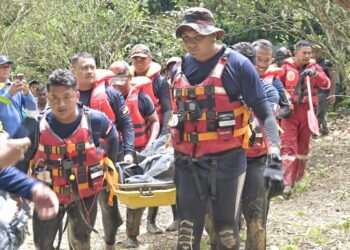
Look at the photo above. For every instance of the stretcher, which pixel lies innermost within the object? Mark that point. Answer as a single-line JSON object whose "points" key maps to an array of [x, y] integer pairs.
{"points": [[138, 195], [150, 182]]}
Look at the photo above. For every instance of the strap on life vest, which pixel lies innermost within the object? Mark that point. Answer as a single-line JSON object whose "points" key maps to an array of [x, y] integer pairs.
{"points": [[208, 136], [111, 178]]}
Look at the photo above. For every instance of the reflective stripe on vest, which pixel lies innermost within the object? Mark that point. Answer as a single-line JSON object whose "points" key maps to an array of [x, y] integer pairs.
{"points": [[209, 121]]}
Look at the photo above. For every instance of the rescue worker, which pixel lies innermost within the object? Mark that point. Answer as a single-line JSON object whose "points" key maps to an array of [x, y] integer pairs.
{"points": [[146, 127], [325, 96], [209, 128], [67, 155], [270, 74], [296, 136], [169, 69], [96, 95], [142, 65], [281, 54], [255, 196]]}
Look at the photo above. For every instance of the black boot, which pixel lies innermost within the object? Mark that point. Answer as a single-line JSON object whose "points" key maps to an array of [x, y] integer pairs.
{"points": [[285, 109], [151, 221]]}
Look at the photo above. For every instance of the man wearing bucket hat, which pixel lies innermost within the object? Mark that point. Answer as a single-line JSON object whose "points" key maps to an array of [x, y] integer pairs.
{"points": [[209, 130], [136, 91], [142, 65]]}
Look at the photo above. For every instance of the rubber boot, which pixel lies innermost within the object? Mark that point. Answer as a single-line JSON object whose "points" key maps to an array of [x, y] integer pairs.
{"points": [[174, 226], [285, 109], [151, 221]]}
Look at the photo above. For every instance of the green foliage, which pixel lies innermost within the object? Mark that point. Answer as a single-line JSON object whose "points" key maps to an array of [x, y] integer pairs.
{"points": [[41, 36]]}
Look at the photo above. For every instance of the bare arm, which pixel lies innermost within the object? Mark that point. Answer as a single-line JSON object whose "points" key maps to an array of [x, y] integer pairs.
{"points": [[154, 127]]}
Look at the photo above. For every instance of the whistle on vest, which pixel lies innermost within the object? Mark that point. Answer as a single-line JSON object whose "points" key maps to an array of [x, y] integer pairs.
{"points": [[67, 170]]}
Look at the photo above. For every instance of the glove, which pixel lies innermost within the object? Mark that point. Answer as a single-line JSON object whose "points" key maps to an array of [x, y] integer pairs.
{"points": [[309, 72], [273, 174]]}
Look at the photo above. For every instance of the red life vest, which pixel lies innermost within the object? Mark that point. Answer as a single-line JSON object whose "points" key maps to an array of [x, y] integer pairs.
{"points": [[69, 164], [152, 73], [292, 76], [205, 121], [141, 128], [99, 99], [271, 73]]}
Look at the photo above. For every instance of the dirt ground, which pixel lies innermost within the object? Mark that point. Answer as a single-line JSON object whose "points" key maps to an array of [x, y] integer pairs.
{"points": [[316, 217]]}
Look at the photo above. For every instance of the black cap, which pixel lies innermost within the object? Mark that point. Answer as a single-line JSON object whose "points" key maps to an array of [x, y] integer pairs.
{"points": [[201, 20]]}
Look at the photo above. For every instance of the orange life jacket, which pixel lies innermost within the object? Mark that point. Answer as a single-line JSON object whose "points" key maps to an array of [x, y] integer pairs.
{"points": [[271, 73], [141, 127], [205, 121], [99, 99], [69, 165], [152, 73], [292, 79]]}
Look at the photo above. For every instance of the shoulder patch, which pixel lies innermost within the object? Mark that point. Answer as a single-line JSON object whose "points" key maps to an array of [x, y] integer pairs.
{"points": [[290, 76]]}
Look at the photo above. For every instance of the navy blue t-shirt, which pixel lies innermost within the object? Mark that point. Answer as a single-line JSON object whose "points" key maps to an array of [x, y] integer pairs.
{"points": [[161, 91], [118, 106], [145, 104], [240, 79]]}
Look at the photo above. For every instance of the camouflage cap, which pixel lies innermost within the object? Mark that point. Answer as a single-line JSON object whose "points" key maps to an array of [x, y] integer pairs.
{"points": [[140, 50], [121, 70], [201, 20]]}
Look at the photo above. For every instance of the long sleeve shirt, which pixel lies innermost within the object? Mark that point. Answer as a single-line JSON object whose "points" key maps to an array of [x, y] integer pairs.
{"points": [[12, 115]]}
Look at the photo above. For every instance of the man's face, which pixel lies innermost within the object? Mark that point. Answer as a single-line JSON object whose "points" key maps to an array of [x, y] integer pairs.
{"points": [[197, 45], [123, 88], [42, 96], [141, 64], [5, 70], [85, 71], [63, 102], [33, 88], [263, 59], [302, 55]]}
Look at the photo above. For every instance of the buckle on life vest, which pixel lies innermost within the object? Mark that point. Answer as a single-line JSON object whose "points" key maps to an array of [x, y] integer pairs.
{"points": [[70, 147], [65, 189], [192, 137], [191, 92], [209, 90]]}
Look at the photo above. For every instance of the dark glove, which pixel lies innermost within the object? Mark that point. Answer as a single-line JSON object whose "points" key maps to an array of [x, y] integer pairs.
{"points": [[273, 175], [309, 72]]}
